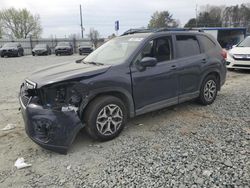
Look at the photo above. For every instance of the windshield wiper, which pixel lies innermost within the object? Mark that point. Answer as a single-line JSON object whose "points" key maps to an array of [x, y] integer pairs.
{"points": [[93, 63]]}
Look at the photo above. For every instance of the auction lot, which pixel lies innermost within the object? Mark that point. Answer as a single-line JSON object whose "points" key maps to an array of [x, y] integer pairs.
{"points": [[182, 146]]}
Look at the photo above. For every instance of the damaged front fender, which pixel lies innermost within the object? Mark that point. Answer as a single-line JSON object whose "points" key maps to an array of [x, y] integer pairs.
{"points": [[51, 129]]}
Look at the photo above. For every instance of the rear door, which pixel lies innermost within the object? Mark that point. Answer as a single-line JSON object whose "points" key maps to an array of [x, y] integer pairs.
{"points": [[155, 87], [191, 61]]}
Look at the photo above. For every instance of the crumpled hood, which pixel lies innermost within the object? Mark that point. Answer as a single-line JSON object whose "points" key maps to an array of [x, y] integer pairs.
{"points": [[66, 71], [240, 50]]}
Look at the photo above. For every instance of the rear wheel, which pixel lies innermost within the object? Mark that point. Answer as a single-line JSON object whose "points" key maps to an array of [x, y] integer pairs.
{"points": [[105, 118], [208, 90]]}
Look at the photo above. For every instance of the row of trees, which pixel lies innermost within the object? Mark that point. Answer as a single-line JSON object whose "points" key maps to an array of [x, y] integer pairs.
{"points": [[21, 23], [221, 16]]}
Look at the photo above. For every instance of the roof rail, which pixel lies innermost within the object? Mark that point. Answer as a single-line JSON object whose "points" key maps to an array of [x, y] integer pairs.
{"points": [[133, 31]]}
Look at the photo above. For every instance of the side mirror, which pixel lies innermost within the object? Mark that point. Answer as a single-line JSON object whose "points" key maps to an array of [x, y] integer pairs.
{"points": [[148, 62]]}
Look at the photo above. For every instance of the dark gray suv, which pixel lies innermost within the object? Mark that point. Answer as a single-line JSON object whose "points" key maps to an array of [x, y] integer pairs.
{"points": [[127, 76]]}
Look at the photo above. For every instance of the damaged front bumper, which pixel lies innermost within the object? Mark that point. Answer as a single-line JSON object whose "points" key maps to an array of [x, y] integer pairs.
{"points": [[51, 129]]}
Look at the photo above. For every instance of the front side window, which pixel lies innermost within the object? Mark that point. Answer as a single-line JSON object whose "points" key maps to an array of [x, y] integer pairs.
{"points": [[186, 46], [160, 48]]}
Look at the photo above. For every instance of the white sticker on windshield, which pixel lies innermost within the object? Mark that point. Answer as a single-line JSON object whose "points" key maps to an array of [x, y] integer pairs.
{"points": [[136, 39]]}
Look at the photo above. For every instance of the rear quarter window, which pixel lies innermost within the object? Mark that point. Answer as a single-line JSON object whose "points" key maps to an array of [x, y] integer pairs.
{"points": [[207, 43], [187, 45]]}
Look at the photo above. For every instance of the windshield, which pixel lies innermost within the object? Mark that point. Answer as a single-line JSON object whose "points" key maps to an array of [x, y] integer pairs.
{"points": [[40, 46], [115, 51], [63, 44], [85, 44], [245, 42], [10, 45]]}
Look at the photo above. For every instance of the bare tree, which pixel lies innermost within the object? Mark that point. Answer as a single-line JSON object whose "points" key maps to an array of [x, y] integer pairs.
{"points": [[221, 16], [94, 36], [20, 23]]}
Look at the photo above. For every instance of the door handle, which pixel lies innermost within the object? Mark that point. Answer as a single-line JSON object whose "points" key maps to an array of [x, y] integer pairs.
{"points": [[203, 60], [173, 67]]}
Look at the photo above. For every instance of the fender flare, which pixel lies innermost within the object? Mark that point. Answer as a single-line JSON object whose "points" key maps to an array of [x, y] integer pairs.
{"points": [[109, 90]]}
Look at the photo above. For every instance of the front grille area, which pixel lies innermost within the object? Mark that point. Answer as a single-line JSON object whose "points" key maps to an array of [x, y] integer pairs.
{"points": [[24, 94], [241, 66]]}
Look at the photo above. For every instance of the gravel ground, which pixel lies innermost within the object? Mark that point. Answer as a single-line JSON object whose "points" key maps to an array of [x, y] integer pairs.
{"points": [[187, 145]]}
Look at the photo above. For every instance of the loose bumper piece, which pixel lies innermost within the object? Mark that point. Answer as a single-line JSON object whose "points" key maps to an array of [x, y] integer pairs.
{"points": [[51, 129]]}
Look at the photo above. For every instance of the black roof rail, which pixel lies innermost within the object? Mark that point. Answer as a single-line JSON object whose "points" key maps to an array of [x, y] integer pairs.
{"points": [[133, 31]]}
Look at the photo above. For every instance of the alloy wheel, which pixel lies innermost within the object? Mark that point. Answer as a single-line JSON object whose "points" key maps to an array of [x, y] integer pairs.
{"points": [[109, 119], [210, 90]]}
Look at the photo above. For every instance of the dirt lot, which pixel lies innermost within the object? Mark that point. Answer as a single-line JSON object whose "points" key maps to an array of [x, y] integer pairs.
{"points": [[183, 146]]}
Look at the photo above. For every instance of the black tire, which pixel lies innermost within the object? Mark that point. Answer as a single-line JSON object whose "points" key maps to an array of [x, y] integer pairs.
{"points": [[56, 54], [33, 54], [208, 94], [98, 106]]}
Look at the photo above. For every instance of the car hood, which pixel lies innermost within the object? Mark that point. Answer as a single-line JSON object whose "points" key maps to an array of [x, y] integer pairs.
{"points": [[240, 50], [58, 47], [8, 48], [39, 49], [66, 71]]}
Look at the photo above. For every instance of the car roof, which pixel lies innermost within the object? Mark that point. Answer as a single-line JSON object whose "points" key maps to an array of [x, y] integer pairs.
{"points": [[147, 34]]}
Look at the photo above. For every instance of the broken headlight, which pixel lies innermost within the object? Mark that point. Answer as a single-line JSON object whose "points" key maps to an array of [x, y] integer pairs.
{"points": [[62, 95]]}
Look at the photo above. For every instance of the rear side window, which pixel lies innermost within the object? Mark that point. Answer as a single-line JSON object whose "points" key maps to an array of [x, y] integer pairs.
{"points": [[187, 45], [207, 43]]}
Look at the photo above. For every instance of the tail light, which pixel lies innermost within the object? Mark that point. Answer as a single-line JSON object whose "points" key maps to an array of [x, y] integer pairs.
{"points": [[223, 53]]}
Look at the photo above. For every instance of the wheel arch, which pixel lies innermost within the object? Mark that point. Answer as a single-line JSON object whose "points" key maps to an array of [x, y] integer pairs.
{"points": [[122, 94], [216, 73]]}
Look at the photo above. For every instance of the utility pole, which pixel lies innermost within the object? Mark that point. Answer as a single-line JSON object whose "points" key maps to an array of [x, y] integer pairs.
{"points": [[196, 15], [81, 20]]}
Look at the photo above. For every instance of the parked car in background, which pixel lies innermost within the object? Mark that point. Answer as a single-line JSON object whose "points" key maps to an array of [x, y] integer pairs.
{"points": [[41, 49], [85, 48], [239, 56], [125, 77], [64, 48], [12, 49]]}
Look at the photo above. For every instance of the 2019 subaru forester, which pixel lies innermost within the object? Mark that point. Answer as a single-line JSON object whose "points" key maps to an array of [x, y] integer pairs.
{"points": [[127, 76]]}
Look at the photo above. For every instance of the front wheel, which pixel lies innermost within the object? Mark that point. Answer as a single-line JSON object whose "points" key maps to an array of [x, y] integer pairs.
{"points": [[208, 90], [105, 118]]}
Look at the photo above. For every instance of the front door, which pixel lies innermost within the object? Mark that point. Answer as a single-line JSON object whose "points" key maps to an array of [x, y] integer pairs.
{"points": [[155, 87]]}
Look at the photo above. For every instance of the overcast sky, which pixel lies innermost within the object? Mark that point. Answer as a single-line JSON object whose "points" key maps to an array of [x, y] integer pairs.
{"points": [[61, 17]]}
